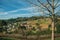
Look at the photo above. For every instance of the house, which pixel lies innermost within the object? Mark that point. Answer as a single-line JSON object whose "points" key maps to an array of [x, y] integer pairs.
{"points": [[44, 26]]}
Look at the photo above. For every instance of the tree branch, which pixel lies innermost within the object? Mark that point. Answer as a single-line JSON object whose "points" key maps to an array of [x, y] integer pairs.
{"points": [[44, 6], [32, 3], [49, 3], [56, 3], [57, 6], [57, 12]]}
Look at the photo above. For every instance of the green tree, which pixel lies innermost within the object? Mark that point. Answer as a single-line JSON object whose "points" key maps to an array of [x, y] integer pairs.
{"points": [[58, 26], [2, 23]]}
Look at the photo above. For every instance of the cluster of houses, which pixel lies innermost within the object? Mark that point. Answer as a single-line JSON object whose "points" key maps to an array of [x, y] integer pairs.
{"points": [[27, 25]]}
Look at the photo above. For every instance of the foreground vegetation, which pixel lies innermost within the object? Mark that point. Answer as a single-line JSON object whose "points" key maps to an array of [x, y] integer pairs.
{"points": [[30, 26], [21, 39]]}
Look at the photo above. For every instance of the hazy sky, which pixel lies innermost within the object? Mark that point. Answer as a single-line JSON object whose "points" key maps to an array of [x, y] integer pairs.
{"points": [[16, 8]]}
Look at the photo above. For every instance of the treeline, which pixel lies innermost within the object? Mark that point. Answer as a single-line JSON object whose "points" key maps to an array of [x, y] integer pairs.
{"points": [[21, 19]]}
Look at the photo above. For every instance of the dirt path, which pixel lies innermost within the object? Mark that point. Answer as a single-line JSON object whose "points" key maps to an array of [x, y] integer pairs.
{"points": [[18, 36]]}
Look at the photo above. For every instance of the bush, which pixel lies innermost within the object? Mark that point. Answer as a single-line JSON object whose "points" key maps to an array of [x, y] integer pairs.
{"points": [[45, 32], [6, 39], [58, 27]]}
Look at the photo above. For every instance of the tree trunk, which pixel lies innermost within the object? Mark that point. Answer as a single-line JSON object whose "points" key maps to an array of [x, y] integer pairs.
{"points": [[53, 30], [53, 22]]}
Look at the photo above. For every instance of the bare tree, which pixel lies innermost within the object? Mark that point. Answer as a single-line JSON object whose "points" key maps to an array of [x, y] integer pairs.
{"points": [[50, 6]]}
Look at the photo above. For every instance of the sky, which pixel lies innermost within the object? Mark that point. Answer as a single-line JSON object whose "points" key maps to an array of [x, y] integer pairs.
{"points": [[16, 8]]}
